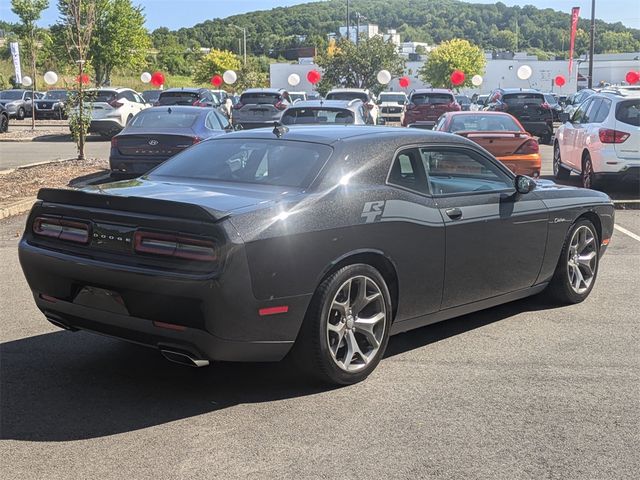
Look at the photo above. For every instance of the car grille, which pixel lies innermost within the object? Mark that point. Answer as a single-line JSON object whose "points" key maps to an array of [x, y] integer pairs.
{"points": [[391, 109], [44, 106]]}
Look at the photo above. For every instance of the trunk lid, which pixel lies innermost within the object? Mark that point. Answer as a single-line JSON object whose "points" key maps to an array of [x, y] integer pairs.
{"points": [[500, 144], [156, 144]]}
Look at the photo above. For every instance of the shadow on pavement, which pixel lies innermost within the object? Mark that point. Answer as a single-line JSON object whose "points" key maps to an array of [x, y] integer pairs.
{"points": [[616, 190], [66, 386], [66, 137]]}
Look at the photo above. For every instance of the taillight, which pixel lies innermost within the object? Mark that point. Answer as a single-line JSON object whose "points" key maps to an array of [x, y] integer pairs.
{"points": [[608, 135], [238, 106], [196, 140], [280, 106], [175, 246], [545, 106], [411, 106], [61, 229], [115, 104], [197, 103], [114, 142], [528, 147]]}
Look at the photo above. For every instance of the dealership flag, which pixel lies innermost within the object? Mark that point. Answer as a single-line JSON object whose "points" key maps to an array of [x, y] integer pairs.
{"points": [[575, 13], [15, 55]]}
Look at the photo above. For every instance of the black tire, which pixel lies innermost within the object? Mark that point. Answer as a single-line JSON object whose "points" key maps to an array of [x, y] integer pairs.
{"points": [[546, 138], [312, 350], [129, 118], [4, 123], [559, 171], [20, 114], [587, 175], [560, 288]]}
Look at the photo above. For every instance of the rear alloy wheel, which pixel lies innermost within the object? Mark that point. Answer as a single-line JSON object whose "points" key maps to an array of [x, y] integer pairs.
{"points": [[4, 123], [577, 268], [559, 171], [346, 330], [588, 176], [20, 114]]}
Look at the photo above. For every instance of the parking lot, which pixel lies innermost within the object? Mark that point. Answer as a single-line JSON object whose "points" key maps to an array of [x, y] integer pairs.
{"points": [[524, 390]]}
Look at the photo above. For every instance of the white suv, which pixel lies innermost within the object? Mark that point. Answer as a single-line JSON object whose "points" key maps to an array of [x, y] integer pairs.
{"points": [[392, 106], [362, 94], [601, 140], [113, 108]]}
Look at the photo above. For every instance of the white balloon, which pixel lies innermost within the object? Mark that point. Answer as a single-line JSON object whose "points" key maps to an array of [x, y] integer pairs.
{"points": [[26, 81], [229, 77], [50, 78], [384, 77], [524, 72], [476, 80], [145, 77], [294, 79]]}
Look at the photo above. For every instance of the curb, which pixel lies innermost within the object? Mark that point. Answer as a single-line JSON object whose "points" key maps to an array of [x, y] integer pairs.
{"points": [[626, 204], [36, 164], [17, 208]]}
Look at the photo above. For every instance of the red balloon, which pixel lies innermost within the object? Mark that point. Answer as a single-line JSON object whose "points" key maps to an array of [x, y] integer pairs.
{"points": [[457, 77], [157, 79], [632, 77], [84, 79], [313, 76], [216, 80], [404, 82], [560, 80]]}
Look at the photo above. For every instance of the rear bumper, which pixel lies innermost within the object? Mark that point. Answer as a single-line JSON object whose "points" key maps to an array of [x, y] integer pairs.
{"points": [[105, 126], [216, 315], [539, 129], [523, 164], [426, 124], [133, 165]]}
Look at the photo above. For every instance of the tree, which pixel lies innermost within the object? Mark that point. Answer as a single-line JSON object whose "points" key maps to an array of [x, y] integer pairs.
{"points": [[120, 39], [215, 63], [77, 22], [505, 40], [453, 55], [29, 12], [357, 65], [254, 74]]}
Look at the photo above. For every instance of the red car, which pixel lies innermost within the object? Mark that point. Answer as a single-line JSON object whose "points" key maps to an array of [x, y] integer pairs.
{"points": [[426, 105], [499, 133]]}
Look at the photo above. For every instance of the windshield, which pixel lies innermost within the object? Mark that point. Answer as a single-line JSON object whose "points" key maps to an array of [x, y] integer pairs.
{"points": [[390, 97], [348, 96], [483, 123], [178, 98], [259, 98], [11, 95], [431, 98], [163, 119], [297, 116], [56, 95], [257, 161], [629, 112]]}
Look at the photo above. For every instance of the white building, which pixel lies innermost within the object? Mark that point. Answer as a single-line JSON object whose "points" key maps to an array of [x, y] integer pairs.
{"points": [[409, 48], [367, 31]]}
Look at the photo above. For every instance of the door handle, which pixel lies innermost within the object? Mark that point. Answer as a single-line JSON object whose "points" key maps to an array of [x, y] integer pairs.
{"points": [[454, 213]]}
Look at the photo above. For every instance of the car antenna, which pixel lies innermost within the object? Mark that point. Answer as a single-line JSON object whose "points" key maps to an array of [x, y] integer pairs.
{"points": [[279, 129], [169, 110]]}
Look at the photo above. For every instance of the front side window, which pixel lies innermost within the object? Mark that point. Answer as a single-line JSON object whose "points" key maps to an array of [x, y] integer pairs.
{"points": [[212, 122], [455, 171], [579, 113], [603, 112]]}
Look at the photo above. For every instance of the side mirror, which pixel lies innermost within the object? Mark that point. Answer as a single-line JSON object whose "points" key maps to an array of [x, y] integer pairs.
{"points": [[563, 117], [524, 184]]}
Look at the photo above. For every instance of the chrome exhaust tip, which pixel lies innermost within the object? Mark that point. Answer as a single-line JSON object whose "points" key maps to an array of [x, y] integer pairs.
{"points": [[183, 358]]}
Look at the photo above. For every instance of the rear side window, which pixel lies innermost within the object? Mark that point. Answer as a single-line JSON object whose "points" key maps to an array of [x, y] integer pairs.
{"points": [[308, 116], [603, 111], [257, 161], [628, 112], [431, 98], [259, 98], [523, 99], [407, 172]]}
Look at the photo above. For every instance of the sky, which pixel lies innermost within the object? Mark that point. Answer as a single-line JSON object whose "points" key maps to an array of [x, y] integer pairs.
{"points": [[163, 13]]}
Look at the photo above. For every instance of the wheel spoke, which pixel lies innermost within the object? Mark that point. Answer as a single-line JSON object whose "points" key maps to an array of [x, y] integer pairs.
{"points": [[578, 278], [366, 326], [586, 260]]}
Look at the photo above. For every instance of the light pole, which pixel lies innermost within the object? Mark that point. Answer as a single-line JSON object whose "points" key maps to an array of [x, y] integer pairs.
{"points": [[244, 40], [348, 21], [591, 42]]}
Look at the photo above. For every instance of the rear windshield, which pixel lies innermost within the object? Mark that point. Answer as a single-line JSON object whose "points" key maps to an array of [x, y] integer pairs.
{"points": [[629, 112], [386, 97], [296, 96], [151, 95], [523, 99], [348, 96], [163, 119], [11, 95], [257, 161], [259, 98], [461, 99], [178, 98], [56, 95], [431, 98], [483, 123], [105, 96], [293, 116]]}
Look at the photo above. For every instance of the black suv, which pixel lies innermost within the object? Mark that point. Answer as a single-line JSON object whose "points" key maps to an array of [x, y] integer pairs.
{"points": [[528, 106], [196, 97]]}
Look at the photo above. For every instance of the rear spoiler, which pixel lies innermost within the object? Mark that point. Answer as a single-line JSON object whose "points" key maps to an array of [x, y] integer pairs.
{"points": [[150, 206]]}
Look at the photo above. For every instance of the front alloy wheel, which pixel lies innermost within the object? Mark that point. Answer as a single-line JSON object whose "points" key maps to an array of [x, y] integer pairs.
{"points": [[559, 171]]}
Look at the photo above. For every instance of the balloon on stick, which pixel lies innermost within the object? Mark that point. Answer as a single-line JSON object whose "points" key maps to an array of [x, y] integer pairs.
{"points": [[404, 82], [560, 80], [293, 79], [384, 77], [50, 78], [632, 77], [476, 80], [457, 77], [26, 81], [216, 80], [524, 72], [83, 79], [145, 77], [229, 77], [313, 76], [157, 79]]}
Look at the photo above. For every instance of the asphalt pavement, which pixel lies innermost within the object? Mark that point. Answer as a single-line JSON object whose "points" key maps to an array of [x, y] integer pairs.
{"points": [[521, 391]]}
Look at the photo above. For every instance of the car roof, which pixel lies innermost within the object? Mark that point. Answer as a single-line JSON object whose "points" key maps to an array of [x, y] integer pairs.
{"points": [[480, 112], [178, 109], [183, 89], [520, 90], [264, 90], [336, 90], [432, 90], [330, 134], [326, 103]]}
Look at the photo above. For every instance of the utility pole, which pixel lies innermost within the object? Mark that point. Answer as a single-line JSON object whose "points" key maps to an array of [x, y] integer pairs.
{"points": [[591, 42], [348, 21], [357, 28], [244, 36], [517, 32]]}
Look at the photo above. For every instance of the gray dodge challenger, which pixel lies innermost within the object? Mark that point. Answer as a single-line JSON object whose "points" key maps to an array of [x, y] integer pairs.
{"points": [[314, 242]]}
